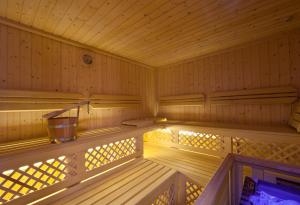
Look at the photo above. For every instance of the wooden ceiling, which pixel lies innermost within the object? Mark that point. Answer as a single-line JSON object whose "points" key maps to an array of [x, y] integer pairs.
{"points": [[156, 32]]}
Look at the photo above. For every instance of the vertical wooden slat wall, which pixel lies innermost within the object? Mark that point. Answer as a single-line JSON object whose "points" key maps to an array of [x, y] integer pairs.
{"points": [[269, 62], [32, 62]]}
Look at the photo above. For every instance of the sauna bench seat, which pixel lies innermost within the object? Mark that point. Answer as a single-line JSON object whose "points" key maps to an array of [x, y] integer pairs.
{"points": [[196, 166], [139, 183], [36, 143], [227, 128]]}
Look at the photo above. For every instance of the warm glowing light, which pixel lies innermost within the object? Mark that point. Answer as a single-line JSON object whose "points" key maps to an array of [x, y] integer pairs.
{"points": [[38, 164], [61, 158], [166, 130], [8, 172], [42, 199], [50, 161], [92, 177]]}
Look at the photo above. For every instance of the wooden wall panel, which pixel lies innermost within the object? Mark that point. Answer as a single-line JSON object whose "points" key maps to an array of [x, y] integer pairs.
{"points": [[32, 62], [268, 62]]}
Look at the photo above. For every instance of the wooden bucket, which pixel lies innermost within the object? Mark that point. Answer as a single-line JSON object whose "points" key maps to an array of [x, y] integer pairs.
{"points": [[62, 129]]}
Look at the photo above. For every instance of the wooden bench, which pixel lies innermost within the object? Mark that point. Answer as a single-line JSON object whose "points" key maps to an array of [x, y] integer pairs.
{"points": [[93, 163], [277, 143], [33, 170], [96, 167], [141, 183], [198, 167]]}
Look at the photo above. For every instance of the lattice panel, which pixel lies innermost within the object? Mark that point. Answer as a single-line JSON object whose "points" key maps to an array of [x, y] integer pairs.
{"points": [[201, 140], [26, 179], [193, 191], [160, 136], [107, 153], [165, 198], [281, 152]]}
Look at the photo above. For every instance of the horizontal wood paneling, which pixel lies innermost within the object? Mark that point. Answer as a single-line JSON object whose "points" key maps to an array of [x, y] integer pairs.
{"points": [[268, 62], [33, 62], [157, 32]]}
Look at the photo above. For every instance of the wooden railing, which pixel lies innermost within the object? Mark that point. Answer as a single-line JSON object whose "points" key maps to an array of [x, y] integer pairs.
{"points": [[280, 145], [178, 190], [226, 185], [28, 175], [276, 144]]}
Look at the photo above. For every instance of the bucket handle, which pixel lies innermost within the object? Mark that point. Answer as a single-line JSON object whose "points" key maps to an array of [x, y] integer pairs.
{"points": [[59, 112]]}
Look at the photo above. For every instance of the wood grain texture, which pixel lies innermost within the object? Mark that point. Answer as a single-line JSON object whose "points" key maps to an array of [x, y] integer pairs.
{"points": [[33, 62], [268, 62], [156, 32], [198, 167]]}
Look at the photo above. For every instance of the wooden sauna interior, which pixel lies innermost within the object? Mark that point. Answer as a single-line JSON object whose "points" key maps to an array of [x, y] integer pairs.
{"points": [[187, 98]]}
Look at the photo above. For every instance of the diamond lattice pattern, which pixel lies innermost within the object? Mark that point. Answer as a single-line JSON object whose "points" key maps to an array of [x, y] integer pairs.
{"points": [[26, 179], [201, 140], [104, 154], [281, 152], [165, 198], [193, 191]]}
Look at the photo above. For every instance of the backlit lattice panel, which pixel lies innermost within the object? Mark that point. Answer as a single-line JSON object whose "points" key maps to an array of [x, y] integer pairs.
{"points": [[104, 154], [160, 136], [26, 179], [193, 191], [281, 152], [165, 198], [201, 140]]}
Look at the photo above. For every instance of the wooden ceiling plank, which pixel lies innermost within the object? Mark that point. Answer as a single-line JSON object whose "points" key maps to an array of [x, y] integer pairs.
{"points": [[198, 50], [57, 13], [28, 11], [42, 14], [69, 17], [142, 27], [91, 8], [137, 7], [241, 30], [195, 26], [14, 9], [109, 18], [88, 27], [183, 40], [116, 32], [3, 8]]}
